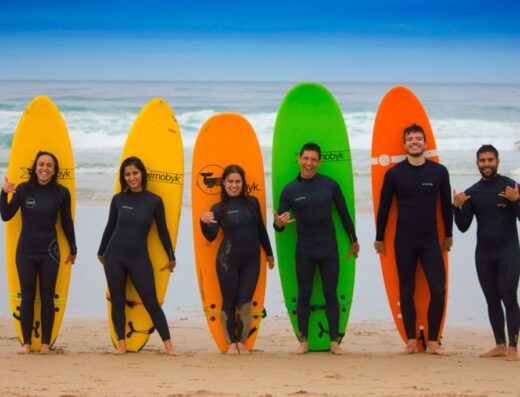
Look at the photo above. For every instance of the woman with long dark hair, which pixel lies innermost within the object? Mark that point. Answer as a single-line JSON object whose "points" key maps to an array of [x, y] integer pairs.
{"points": [[238, 258], [40, 200], [124, 249]]}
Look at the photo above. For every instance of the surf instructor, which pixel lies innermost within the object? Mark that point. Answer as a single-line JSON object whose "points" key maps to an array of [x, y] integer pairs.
{"points": [[417, 184], [495, 202], [310, 197]]}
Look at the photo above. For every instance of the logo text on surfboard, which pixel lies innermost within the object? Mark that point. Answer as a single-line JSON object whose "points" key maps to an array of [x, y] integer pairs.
{"points": [[165, 177], [64, 173]]}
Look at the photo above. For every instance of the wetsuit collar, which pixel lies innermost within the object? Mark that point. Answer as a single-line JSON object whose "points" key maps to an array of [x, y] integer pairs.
{"points": [[300, 179]]}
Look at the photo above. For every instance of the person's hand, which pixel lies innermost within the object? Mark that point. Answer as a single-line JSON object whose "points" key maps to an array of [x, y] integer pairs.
{"points": [[354, 250], [283, 219], [71, 259], [512, 194], [270, 262], [101, 258], [380, 247], [170, 266], [459, 198], [448, 243], [8, 186], [207, 217]]}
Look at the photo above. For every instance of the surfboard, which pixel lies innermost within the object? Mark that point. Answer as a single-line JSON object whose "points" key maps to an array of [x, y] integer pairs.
{"points": [[41, 127], [309, 113], [224, 139], [156, 139], [399, 109]]}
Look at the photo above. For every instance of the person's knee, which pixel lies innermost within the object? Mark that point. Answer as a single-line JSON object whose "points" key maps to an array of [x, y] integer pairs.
{"points": [[331, 296], [438, 293], [510, 298], [304, 295], [406, 293]]}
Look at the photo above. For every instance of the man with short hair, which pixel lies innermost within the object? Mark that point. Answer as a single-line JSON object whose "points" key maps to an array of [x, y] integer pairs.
{"points": [[495, 202], [311, 196], [418, 184]]}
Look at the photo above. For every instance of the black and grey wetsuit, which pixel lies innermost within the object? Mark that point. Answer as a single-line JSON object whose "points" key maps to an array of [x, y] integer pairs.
{"points": [[417, 190], [311, 202], [37, 253], [497, 255], [238, 260], [125, 250]]}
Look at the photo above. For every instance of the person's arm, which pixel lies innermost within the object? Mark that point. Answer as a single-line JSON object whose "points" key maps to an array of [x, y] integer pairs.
{"points": [[446, 207], [210, 227], [109, 228], [341, 206], [162, 229], [463, 211], [282, 216], [66, 221], [262, 231], [8, 209], [385, 200]]}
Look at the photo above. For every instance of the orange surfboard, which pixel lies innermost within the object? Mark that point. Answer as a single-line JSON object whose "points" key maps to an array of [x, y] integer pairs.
{"points": [[224, 139], [399, 109]]}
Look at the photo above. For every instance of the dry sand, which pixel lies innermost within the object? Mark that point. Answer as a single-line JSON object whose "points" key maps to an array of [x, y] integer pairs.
{"points": [[82, 365]]}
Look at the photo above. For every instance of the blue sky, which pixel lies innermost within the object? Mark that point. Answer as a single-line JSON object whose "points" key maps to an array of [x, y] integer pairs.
{"points": [[390, 41]]}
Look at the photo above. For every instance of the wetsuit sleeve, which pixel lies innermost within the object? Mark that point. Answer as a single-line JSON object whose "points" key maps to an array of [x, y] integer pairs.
{"points": [[283, 205], [385, 200], [9, 209], [446, 207], [210, 231], [341, 206], [464, 215], [66, 221], [162, 228], [109, 229], [262, 232]]}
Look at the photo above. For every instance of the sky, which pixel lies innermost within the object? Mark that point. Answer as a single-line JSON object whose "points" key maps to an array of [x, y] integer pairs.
{"points": [[208, 40]]}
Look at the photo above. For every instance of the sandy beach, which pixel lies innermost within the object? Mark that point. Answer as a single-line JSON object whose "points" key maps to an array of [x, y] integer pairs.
{"points": [[82, 365]]}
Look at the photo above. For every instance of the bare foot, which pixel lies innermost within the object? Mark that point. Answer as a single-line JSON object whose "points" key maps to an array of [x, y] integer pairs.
{"points": [[411, 347], [45, 349], [335, 348], [302, 348], [435, 348], [242, 348], [512, 354], [232, 349], [169, 348], [498, 351], [26, 349], [121, 348]]}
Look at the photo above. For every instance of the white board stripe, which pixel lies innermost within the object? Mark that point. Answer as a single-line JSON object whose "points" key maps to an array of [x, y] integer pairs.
{"points": [[385, 159]]}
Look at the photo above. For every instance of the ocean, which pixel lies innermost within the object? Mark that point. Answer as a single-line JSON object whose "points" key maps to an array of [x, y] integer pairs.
{"points": [[100, 114]]}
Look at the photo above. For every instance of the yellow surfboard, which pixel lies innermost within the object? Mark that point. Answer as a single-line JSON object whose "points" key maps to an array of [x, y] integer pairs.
{"points": [[41, 127], [156, 139], [224, 139]]}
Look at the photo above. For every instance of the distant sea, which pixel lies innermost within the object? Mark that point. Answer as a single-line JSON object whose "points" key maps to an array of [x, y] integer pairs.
{"points": [[100, 114]]}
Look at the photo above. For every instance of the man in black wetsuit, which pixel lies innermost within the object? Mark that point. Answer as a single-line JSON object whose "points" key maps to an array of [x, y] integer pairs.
{"points": [[311, 196], [495, 201], [417, 184]]}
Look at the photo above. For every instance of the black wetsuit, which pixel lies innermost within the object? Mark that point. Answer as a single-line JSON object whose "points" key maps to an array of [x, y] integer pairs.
{"points": [[37, 253], [497, 255], [125, 250], [417, 189], [238, 260], [311, 202]]}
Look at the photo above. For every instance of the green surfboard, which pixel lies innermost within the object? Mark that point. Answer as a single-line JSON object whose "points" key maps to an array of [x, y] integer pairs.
{"points": [[309, 113]]}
